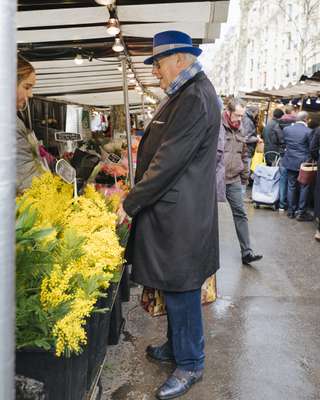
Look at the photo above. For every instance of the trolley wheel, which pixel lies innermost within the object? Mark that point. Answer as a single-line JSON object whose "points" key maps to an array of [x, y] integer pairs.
{"points": [[256, 205]]}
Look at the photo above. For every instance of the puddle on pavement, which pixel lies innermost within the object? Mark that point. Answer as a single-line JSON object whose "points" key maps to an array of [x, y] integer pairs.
{"points": [[128, 337], [222, 306], [122, 392]]}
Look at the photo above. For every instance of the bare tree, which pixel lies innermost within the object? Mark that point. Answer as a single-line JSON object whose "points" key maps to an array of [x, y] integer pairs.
{"points": [[310, 17]]}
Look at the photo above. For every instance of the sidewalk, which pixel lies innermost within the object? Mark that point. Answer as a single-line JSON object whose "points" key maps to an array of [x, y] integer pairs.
{"points": [[262, 334]]}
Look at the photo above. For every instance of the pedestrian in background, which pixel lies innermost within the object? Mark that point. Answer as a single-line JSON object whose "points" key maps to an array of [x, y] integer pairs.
{"points": [[173, 244], [237, 174], [289, 116], [315, 154], [249, 126], [273, 137], [297, 138]]}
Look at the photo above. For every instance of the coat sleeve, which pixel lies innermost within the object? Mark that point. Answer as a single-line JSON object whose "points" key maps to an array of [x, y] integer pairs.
{"points": [[221, 184], [244, 176], [185, 132], [276, 136], [27, 165], [315, 145], [249, 130]]}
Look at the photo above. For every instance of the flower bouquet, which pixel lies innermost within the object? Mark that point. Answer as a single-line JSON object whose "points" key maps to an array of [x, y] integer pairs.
{"points": [[68, 252]]}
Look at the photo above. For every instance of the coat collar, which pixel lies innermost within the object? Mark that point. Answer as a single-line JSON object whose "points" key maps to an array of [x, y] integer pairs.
{"points": [[201, 75]]}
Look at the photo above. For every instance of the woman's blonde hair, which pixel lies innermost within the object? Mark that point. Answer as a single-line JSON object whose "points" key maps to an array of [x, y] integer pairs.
{"points": [[24, 69]]}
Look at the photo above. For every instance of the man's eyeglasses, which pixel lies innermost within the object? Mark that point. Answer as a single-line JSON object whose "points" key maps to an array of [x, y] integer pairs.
{"points": [[156, 63]]}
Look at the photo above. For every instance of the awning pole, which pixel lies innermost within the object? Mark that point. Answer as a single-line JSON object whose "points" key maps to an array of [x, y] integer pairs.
{"points": [[143, 109], [268, 108], [302, 100], [7, 195], [128, 126]]}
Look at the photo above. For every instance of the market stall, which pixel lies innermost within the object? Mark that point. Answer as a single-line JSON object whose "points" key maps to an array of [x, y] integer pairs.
{"points": [[80, 62]]}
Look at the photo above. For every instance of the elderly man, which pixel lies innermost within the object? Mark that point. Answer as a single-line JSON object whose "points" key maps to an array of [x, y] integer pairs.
{"points": [[297, 138], [173, 245]]}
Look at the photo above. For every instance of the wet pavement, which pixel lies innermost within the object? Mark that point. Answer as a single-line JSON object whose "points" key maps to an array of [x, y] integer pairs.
{"points": [[262, 334]]}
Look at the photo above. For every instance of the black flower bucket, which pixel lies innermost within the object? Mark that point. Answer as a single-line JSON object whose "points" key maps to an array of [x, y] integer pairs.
{"points": [[116, 321], [98, 333], [63, 378]]}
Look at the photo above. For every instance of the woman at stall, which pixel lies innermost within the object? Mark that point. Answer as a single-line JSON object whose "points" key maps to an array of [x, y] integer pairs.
{"points": [[315, 153], [29, 161]]}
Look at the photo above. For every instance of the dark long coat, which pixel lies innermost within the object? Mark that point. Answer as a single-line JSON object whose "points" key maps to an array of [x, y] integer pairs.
{"points": [[315, 153], [174, 243], [297, 139]]}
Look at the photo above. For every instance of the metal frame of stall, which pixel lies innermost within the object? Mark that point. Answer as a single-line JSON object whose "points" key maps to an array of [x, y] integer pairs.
{"points": [[7, 196]]}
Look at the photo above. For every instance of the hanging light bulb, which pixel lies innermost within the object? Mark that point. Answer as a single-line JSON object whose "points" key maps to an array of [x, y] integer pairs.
{"points": [[290, 103], [299, 103], [308, 101], [104, 2], [318, 100], [78, 59], [113, 27], [117, 46], [132, 81]]}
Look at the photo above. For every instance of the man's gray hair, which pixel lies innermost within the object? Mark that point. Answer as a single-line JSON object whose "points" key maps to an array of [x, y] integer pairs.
{"points": [[234, 102], [189, 57], [302, 116]]}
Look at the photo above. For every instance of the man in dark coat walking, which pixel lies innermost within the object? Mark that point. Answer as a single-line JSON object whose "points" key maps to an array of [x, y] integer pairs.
{"points": [[173, 245], [297, 138]]}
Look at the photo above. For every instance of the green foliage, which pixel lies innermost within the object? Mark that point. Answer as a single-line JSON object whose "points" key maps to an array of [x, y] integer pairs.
{"points": [[35, 258]]}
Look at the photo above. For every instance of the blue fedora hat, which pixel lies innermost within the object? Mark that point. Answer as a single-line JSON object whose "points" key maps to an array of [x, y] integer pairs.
{"points": [[170, 42]]}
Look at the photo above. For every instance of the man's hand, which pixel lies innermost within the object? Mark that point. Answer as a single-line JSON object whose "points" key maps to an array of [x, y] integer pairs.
{"points": [[121, 214]]}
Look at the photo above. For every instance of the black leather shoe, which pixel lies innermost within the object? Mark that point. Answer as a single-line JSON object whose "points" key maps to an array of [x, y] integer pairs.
{"points": [[178, 384], [161, 353], [249, 258]]}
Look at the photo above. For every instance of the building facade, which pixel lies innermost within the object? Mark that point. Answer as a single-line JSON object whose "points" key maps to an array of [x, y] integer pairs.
{"points": [[272, 45]]}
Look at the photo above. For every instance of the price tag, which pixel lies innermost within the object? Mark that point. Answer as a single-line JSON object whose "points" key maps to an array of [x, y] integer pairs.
{"points": [[114, 158], [65, 171], [67, 136]]}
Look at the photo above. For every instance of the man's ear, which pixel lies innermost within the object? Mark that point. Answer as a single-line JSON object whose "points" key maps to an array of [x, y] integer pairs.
{"points": [[180, 59]]}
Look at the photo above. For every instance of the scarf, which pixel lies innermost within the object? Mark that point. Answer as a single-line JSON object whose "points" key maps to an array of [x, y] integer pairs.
{"points": [[183, 77], [233, 125]]}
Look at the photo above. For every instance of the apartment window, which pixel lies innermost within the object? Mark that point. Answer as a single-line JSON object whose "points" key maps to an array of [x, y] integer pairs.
{"points": [[290, 11], [289, 40], [287, 68], [264, 79]]}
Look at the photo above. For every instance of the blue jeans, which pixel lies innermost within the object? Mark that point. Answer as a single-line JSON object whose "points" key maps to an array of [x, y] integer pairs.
{"points": [[283, 187], [235, 200], [297, 193], [185, 329]]}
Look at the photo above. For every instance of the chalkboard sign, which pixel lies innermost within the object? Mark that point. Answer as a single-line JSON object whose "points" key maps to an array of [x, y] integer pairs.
{"points": [[67, 137]]}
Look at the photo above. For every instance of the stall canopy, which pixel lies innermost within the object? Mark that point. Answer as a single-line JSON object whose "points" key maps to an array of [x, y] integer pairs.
{"points": [[52, 33], [307, 87]]}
